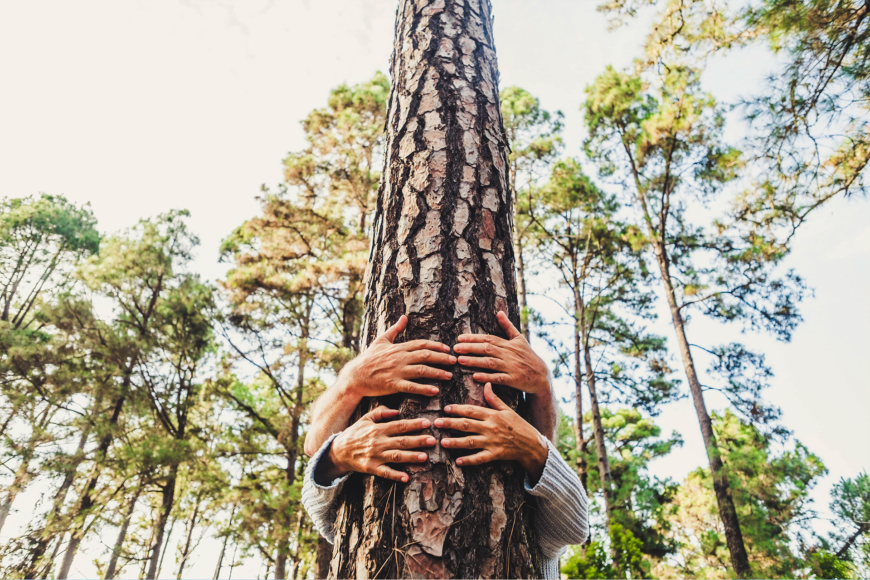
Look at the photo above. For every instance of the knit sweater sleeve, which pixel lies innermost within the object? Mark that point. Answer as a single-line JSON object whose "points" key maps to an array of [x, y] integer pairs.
{"points": [[319, 500], [562, 517]]}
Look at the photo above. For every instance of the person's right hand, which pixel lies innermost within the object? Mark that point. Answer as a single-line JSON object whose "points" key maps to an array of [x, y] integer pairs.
{"points": [[385, 368], [369, 445]]}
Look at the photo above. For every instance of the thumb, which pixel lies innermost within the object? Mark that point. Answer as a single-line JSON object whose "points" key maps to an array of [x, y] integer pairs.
{"points": [[396, 329], [506, 325], [492, 399]]}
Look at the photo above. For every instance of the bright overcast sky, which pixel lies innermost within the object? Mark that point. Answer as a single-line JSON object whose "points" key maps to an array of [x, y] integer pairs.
{"points": [[138, 107]]}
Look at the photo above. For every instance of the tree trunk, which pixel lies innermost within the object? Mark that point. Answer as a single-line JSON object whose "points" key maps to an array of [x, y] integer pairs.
{"points": [[86, 501], [441, 253], [185, 551], [321, 560], [22, 474], [172, 522], [168, 493], [38, 567], [122, 533], [579, 441], [217, 569], [604, 476], [727, 511]]}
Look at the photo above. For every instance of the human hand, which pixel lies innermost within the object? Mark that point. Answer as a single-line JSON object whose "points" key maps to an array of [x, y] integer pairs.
{"points": [[499, 433], [369, 445], [511, 362], [385, 368]]}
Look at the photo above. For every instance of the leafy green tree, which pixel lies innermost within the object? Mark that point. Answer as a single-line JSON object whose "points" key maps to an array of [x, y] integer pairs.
{"points": [[535, 137], [40, 239], [607, 279], [664, 143], [771, 494]]}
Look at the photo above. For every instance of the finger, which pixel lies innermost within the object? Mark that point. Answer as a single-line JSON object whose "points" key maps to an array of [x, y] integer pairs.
{"points": [[380, 414], [479, 458], [467, 425], [409, 442], [425, 372], [404, 386], [405, 426], [483, 362], [464, 442], [473, 411], [493, 399], [480, 338], [506, 325], [497, 378], [389, 473], [398, 456], [479, 348], [395, 330], [426, 345], [430, 357]]}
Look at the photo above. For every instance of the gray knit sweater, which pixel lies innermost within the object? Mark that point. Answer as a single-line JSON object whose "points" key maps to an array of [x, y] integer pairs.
{"points": [[561, 517]]}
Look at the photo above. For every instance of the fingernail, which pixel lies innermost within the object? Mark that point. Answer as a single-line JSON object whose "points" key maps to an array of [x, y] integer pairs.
{"points": [[430, 441], [424, 423], [433, 391], [459, 461], [452, 359], [422, 456], [439, 422], [404, 478], [448, 375], [448, 409], [445, 442]]}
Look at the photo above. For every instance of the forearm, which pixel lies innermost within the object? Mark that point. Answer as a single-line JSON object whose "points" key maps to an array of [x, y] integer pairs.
{"points": [[543, 414], [332, 412]]}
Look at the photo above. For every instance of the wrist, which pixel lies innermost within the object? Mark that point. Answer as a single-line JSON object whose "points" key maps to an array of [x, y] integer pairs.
{"points": [[348, 383], [536, 459]]}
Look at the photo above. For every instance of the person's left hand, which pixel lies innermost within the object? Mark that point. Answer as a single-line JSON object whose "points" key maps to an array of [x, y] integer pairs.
{"points": [[511, 362], [498, 432]]}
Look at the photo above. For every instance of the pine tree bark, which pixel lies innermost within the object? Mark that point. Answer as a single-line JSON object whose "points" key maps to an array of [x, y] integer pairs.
{"points": [[442, 254]]}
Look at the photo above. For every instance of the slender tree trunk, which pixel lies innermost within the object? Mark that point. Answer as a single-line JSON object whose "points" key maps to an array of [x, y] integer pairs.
{"points": [[521, 286], [441, 253], [321, 560], [172, 522], [579, 440], [122, 533], [185, 551], [727, 511], [168, 493], [604, 475], [841, 553], [22, 474], [39, 568], [86, 501], [217, 570]]}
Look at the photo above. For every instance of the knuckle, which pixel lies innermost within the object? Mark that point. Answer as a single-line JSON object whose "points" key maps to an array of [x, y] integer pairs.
{"points": [[471, 443], [402, 442], [395, 457]]}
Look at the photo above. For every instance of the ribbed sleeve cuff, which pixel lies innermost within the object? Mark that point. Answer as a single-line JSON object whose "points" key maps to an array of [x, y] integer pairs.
{"points": [[335, 484], [556, 477]]}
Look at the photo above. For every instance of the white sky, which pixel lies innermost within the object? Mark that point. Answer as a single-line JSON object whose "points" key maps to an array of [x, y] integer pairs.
{"points": [[139, 107]]}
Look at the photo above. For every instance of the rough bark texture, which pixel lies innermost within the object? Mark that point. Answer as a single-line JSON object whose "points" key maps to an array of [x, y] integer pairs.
{"points": [[122, 533], [727, 511], [441, 253]]}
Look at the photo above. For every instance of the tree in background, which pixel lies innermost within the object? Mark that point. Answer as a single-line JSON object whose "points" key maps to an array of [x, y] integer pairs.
{"points": [[636, 537], [771, 494], [810, 141], [664, 143], [535, 138], [607, 280]]}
